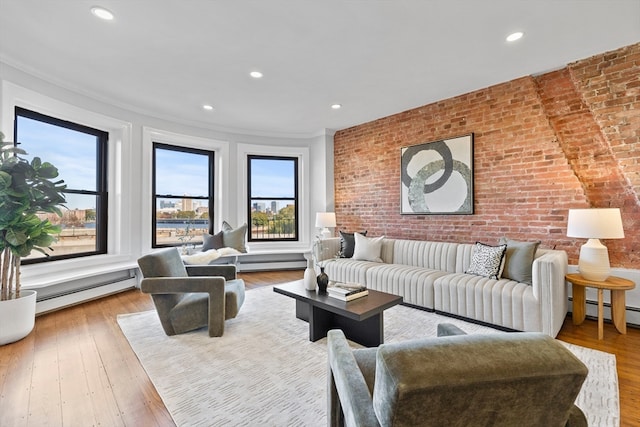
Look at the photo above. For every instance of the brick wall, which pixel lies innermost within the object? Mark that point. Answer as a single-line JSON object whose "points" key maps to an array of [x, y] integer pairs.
{"points": [[542, 145]]}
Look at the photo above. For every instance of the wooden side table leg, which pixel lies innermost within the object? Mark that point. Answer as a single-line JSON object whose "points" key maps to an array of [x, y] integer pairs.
{"points": [[600, 314], [618, 310], [579, 304]]}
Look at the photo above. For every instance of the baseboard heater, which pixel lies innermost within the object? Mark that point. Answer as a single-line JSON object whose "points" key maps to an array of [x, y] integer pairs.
{"points": [[74, 292], [633, 313]]}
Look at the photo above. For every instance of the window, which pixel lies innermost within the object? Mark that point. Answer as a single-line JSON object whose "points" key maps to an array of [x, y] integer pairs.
{"points": [[80, 154], [182, 195], [273, 198]]}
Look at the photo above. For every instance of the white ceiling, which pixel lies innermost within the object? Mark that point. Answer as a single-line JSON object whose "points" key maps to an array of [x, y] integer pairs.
{"points": [[166, 58]]}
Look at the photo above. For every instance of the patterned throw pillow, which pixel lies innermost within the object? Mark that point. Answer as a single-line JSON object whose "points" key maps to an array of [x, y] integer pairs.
{"points": [[487, 260]]}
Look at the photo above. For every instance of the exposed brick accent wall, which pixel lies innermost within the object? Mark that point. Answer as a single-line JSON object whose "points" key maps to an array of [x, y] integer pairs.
{"points": [[566, 139]]}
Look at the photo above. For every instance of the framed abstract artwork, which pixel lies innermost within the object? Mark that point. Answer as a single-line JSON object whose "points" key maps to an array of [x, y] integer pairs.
{"points": [[437, 177]]}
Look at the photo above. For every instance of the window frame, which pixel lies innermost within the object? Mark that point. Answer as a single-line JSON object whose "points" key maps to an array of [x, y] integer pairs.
{"points": [[102, 183], [154, 197], [296, 197]]}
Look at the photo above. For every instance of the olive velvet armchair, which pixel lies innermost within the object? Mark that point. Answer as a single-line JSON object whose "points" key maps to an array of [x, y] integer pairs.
{"points": [[507, 379], [190, 297]]}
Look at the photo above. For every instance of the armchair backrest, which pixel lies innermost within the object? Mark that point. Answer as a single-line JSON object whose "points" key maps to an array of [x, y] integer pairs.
{"points": [[523, 379], [163, 263]]}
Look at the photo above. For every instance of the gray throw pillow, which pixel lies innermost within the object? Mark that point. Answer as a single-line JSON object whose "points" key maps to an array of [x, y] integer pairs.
{"points": [[348, 244], [486, 260], [234, 237], [212, 241], [518, 265]]}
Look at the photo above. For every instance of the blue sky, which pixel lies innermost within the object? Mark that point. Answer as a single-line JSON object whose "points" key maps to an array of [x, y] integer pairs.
{"points": [[73, 153], [272, 178], [180, 173]]}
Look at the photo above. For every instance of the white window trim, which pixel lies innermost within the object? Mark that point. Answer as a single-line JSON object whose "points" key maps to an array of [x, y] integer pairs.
{"points": [[119, 249], [302, 153], [221, 185]]}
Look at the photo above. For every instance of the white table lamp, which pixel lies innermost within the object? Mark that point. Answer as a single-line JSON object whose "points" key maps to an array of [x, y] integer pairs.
{"points": [[594, 224], [325, 220]]}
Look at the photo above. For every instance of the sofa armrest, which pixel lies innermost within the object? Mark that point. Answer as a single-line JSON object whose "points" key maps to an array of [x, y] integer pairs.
{"points": [[228, 271], [325, 249], [349, 398], [550, 288]]}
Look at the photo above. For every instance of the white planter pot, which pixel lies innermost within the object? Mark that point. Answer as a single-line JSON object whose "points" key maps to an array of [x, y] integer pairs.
{"points": [[17, 317]]}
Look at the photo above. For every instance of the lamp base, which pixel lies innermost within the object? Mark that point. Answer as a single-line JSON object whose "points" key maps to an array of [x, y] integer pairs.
{"points": [[594, 261], [325, 233]]}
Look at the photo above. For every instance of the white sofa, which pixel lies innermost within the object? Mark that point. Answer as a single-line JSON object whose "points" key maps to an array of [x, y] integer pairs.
{"points": [[431, 275]]}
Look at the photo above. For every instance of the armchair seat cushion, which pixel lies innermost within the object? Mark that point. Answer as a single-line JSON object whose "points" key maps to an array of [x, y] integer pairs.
{"points": [[192, 310], [366, 361]]}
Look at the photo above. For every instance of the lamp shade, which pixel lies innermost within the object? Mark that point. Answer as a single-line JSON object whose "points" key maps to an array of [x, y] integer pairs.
{"points": [[325, 219], [597, 223]]}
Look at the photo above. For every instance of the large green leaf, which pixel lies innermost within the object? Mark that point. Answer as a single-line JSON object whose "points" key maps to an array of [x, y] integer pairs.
{"points": [[15, 237], [5, 181]]}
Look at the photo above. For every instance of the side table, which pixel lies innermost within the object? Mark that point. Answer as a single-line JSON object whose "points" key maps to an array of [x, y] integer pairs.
{"points": [[617, 286]]}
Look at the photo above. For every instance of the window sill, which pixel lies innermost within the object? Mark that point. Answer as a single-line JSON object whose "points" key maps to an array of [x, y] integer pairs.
{"points": [[43, 275]]}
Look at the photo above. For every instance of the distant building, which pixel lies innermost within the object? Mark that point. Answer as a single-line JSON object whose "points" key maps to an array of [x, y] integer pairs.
{"points": [[187, 204], [202, 210]]}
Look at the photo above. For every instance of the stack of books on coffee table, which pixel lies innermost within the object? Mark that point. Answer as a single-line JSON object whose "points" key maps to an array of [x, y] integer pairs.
{"points": [[347, 291]]}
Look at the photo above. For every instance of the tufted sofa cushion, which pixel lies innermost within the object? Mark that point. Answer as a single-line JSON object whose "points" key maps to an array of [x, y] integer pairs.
{"points": [[415, 284], [500, 302]]}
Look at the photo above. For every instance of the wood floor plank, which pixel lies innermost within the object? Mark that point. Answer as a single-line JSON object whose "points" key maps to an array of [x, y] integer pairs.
{"points": [[16, 388], [73, 341], [45, 408]]}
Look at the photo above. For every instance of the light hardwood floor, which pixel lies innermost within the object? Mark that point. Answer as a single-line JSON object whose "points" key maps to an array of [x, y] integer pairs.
{"points": [[77, 369]]}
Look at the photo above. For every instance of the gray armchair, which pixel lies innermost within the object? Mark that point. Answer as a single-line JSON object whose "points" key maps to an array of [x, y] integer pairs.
{"points": [[188, 298], [510, 379]]}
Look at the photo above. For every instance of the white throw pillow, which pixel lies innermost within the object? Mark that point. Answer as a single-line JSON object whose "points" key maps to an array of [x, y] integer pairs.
{"points": [[367, 249]]}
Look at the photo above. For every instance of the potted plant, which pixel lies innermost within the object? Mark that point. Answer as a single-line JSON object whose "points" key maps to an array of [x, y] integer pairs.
{"points": [[26, 189]]}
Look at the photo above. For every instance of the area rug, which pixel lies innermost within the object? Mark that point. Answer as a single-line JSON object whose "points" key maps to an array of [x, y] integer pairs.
{"points": [[265, 372]]}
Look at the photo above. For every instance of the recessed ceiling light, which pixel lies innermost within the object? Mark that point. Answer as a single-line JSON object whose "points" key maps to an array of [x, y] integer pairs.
{"points": [[207, 107], [336, 106], [102, 13], [515, 36], [256, 74]]}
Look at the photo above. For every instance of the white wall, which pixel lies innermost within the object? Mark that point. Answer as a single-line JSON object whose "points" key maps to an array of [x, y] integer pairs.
{"points": [[130, 167]]}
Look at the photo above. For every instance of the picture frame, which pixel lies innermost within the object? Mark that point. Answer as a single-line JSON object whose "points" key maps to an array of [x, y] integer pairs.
{"points": [[436, 177]]}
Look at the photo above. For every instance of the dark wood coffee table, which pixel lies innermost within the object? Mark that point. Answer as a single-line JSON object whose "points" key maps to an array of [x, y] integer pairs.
{"points": [[361, 320]]}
